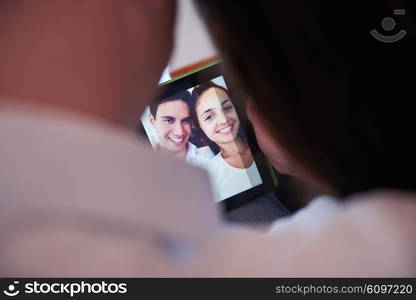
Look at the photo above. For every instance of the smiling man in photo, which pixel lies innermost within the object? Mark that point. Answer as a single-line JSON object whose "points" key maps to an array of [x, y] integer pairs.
{"points": [[171, 120]]}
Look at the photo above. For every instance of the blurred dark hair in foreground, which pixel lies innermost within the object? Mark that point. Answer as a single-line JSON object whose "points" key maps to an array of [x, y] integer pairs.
{"points": [[339, 100]]}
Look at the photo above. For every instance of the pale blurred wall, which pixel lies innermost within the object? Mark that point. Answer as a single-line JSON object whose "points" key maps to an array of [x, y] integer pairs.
{"points": [[192, 43]]}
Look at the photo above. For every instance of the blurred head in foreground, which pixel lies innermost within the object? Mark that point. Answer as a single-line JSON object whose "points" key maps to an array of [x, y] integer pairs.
{"points": [[102, 58], [330, 102]]}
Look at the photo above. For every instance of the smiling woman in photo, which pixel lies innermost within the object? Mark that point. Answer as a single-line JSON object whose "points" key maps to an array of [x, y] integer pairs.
{"points": [[233, 168]]}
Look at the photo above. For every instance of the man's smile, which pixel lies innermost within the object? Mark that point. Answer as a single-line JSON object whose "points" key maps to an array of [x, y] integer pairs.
{"points": [[177, 141]]}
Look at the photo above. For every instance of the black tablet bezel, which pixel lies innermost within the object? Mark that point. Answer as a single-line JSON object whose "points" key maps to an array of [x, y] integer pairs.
{"points": [[179, 84]]}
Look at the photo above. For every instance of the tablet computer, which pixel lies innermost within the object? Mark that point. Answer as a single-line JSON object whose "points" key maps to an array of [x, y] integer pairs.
{"points": [[199, 119]]}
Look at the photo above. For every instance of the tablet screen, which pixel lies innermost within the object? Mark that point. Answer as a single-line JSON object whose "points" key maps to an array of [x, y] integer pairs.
{"points": [[201, 125]]}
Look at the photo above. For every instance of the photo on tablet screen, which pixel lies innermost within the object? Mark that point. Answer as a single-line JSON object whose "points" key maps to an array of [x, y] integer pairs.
{"points": [[201, 126]]}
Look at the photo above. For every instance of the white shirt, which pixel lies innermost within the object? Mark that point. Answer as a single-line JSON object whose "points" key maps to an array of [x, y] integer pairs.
{"points": [[82, 197], [370, 235], [198, 156], [228, 181]]}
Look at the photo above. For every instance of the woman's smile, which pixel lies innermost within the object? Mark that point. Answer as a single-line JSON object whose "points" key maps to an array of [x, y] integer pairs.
{"points": [[226, 129]]}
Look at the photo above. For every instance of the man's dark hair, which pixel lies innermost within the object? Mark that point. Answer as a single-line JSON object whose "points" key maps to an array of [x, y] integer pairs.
{"points": [[185, 96], [339, 100]]}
